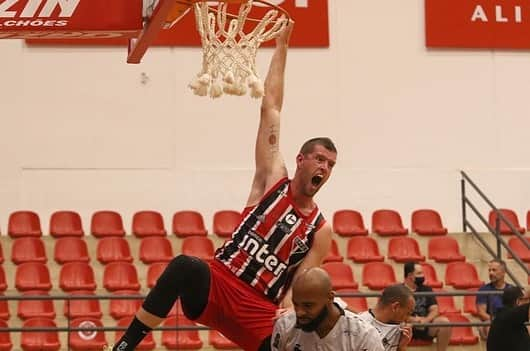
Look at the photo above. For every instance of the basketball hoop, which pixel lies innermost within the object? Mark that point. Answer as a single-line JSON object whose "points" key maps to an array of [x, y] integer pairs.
{"points": [[230, 39]]}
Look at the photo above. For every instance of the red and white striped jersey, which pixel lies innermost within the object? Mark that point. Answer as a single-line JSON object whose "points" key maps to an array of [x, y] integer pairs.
{"points": [[270, 242]]}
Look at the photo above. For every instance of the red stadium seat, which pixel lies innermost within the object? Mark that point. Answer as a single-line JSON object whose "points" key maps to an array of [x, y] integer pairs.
{"points": [[28, 249], [32, 276], [462, 275], [334, 254], [39, 341], [119, 309], [87, 340], [404, 249], [388, 223], [77, 276], [510, 216], [154, 271], [378, 275], [348, 223], [431, 278], [446, 304], [220, 342], [24, 223], [188, 223], [35, 308], [4, 310], [5, 338], [3, 284], [519, 248], [113, 249], [66, 223], [444, 249], [341, 275], [106, 223], [181, 339], [461, 335], [120, 276], [470, 304], [155, 249], [427, 222], [225, 222], [147, 344], [198, 246], [70, 249], [82, 308], [364, 249], [355, 304], [148, 223]]}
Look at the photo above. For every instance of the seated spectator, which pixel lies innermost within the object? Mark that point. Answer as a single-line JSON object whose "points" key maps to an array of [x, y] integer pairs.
{"points": [[426, 309], [488, 305]]}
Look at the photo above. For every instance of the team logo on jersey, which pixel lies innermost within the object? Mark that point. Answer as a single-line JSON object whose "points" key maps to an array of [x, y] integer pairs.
{"points": [[301, 246], [291, 219]]}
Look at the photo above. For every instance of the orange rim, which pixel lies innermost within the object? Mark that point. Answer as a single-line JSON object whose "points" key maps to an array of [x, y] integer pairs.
{"points": [[183, 5]]}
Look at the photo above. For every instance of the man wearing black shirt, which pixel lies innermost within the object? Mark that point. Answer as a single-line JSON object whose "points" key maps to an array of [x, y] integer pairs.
{"points": [[508, 330], [426, 309]]}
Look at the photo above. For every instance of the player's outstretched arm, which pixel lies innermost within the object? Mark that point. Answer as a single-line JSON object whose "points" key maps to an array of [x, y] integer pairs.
{"points": [[270, 166]]}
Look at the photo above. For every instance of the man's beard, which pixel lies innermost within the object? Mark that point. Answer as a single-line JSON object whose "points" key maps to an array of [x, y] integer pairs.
{"points": [[314, 323]]}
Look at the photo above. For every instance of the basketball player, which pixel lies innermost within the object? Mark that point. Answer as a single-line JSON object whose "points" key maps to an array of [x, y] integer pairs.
{"points": [[317, 323], [388, 317], [282, 232]]}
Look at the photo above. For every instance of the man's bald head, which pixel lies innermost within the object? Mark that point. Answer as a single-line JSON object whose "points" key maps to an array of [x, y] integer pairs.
{"points": [[315, 280], [312, 298]]}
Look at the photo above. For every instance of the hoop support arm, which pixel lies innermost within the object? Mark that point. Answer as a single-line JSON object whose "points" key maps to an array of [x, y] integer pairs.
{"points": [[138, 46]]}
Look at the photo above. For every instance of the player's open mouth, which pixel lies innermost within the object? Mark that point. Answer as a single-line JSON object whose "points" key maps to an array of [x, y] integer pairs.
{"points": [[316, 180]]}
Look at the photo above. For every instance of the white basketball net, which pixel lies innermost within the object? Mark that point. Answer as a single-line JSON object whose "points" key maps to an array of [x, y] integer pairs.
{"points": [[229, 54]]}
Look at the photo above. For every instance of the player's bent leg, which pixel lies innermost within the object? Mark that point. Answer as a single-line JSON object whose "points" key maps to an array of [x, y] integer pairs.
{"points": [[182, 276], [186, 277]]}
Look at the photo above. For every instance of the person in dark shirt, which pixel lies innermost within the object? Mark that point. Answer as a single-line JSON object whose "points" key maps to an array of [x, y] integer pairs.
{"points": [[488, 305], [508, 330], [426, 309]]}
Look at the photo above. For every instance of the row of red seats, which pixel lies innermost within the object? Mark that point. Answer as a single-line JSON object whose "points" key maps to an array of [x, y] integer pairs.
{"points": [[423, 222], [159, 249], [96, 340], [379, 275], [74, 276], [444, 249], [110, 223], [186, 223], [362, 249], [123, 276], [110, 249]]}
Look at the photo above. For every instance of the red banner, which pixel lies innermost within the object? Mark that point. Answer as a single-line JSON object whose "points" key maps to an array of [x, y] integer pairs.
{"points": [[70, 19], [503, 24], [311, 29]]}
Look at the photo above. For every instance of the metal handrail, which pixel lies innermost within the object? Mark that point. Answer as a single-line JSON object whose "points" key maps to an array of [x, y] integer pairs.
{"points": [[501, 243]]}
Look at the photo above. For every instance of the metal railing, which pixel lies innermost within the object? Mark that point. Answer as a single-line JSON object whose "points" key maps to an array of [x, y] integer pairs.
{"points": [[69, 328], [500, 242]]}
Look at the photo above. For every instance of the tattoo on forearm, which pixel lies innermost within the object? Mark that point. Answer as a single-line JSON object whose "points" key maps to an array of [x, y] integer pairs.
{"points": [[273, 139]]}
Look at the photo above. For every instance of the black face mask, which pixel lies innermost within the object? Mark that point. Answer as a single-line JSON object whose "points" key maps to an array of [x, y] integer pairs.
{"points": [[313, 325], [419, 281]]}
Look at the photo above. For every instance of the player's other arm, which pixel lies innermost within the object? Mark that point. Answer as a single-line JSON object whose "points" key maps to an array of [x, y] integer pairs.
{"points": [[314, 258], [270, 166]]}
